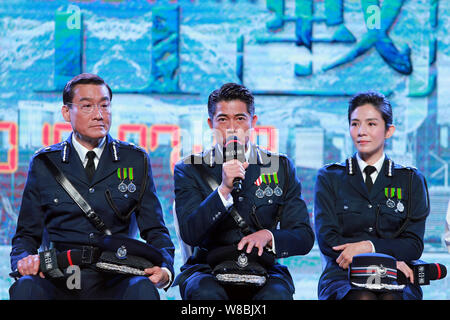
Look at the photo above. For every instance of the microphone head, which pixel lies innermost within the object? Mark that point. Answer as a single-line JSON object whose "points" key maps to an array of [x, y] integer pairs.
{"points": [[234, 149], [232, 139], [437, 271]]}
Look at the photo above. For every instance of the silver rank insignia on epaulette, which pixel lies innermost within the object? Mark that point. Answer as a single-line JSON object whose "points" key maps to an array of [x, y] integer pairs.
{"points": [[264, 157], [64, 152], [115, 153], [211, 157], [390, 166], [389, 170], [350, 166], [258, 154]]}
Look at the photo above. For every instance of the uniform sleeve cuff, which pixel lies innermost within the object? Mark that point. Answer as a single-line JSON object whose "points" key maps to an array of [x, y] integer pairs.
{"points": [[373, 247], [228, 202], [170, 277], [272, 249]]}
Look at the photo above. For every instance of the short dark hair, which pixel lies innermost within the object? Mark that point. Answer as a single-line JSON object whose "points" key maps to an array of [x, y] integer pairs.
{"points": [[228, 92], [376, 99], [84, 78]]}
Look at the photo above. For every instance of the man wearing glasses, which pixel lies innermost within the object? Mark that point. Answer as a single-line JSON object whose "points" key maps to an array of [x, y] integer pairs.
{"points": [[115, 178]]}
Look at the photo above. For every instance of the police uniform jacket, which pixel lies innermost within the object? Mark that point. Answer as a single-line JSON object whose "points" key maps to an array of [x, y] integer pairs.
{"points": [[205, 223], [46, 206], [346, 212]]}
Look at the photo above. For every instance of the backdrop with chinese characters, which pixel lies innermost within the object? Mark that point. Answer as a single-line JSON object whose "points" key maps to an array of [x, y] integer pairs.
{"points": [[303, 60]]}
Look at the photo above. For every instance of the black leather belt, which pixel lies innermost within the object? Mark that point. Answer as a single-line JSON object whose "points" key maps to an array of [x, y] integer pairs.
{"points": [[89, 255]]}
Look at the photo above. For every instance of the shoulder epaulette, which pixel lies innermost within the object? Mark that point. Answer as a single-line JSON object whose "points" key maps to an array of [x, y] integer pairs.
{"points": [[62, 147], [116, 144], [395, 166], [337, 164], [264, 156], [45, 149], [270, 153], [129, 145], [279, 154], [195, 158], [402, 167]]}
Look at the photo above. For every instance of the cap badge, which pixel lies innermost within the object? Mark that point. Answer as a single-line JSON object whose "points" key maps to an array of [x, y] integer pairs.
{"points": [[242, 260], [121, 253]]}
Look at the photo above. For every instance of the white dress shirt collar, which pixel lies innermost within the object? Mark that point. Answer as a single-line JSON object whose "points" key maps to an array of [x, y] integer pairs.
{"points": [[247, 152], [82, 150], [378, 166]]}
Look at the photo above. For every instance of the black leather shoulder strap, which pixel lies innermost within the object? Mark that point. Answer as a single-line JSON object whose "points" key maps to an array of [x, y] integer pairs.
{"points": [[213, 184], [75, 195]]}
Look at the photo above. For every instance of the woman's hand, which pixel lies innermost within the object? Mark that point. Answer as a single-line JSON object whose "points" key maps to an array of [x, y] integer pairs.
{"points": [[349, 250], [407, 271]]}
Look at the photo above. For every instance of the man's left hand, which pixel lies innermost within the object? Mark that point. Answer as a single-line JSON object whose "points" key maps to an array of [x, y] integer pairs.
{"points": [[258, 239], [157, 276]]}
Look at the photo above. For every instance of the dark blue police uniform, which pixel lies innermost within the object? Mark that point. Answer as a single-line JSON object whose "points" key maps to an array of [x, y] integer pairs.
{"points": [[47, 207], [206, 224], [346, 212]]}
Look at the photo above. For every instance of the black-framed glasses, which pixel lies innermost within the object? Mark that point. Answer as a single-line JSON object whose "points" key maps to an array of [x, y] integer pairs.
{"points": [[87, 108]]}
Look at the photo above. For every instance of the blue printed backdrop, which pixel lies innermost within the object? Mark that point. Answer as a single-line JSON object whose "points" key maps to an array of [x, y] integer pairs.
{"points": [[303, 59]]}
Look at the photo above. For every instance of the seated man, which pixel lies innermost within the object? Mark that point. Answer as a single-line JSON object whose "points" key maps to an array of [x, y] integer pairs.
{"points": [[95, 164], [271, 194]]}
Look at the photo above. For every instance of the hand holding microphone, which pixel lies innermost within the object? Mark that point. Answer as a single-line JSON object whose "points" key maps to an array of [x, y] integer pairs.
{"points": [[47, 263], [234, 166], [29, 266], [423, 272]]}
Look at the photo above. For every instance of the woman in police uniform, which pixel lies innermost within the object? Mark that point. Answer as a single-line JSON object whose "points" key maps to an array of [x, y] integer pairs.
{"points": [[368, 204]]}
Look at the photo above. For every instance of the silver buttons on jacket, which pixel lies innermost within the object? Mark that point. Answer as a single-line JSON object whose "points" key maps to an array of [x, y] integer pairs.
{"points": [[216, 216]]}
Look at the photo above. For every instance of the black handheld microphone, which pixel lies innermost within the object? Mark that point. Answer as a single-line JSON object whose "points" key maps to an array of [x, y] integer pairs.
{"points": [[234, 149], [51, 264], [423, 272]]}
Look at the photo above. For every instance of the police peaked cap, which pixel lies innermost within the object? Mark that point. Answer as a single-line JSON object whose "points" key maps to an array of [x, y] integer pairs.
{"points": [[126, 249], [374, 271], [231, 253]]}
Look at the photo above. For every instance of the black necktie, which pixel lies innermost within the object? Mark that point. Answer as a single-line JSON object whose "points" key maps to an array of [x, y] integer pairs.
{"points": [[90, 166], [368, 171]]}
